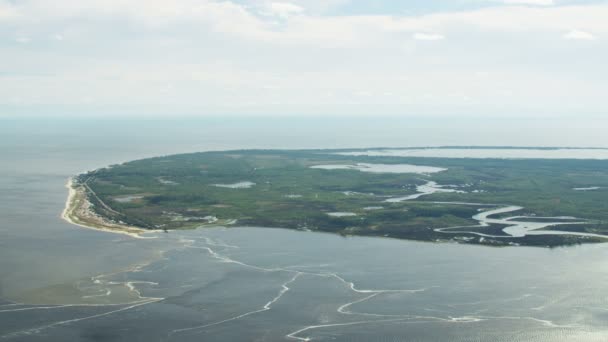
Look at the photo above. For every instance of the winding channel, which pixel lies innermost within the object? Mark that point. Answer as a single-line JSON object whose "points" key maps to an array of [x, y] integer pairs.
{"points": [[516, 226]]}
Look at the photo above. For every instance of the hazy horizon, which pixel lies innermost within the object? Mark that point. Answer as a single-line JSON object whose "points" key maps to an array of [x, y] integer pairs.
{"points": [[312, 132]]}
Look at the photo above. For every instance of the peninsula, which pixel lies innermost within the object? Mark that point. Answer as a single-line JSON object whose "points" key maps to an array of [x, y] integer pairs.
{"points": [[490, 201]]}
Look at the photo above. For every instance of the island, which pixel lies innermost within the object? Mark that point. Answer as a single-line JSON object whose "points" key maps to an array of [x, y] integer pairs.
{"points": [[355, 192]]}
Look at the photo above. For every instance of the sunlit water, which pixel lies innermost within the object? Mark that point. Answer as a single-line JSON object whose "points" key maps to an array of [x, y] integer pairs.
{"points": [[59, 282]]}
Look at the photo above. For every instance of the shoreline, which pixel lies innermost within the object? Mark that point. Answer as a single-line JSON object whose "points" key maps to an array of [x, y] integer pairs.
{"points": [[77, 212]]}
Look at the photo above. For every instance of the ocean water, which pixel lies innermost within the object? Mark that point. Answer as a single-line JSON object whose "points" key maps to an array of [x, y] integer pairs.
{"points": [[59, 282]]}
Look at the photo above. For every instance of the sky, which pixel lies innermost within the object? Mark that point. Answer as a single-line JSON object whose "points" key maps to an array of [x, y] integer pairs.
{"points": [[487, 58]]}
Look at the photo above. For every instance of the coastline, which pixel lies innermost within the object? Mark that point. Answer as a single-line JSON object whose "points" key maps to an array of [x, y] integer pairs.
{"points": [[77, 212]]}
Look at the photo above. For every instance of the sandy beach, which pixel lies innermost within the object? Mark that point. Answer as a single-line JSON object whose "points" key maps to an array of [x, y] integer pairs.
{"points": [[78, 212]]}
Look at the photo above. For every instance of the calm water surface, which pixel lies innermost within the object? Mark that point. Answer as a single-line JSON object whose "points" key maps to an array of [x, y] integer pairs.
{"points": [[59, 282]]}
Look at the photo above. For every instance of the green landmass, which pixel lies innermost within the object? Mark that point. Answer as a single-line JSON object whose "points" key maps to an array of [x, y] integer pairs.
{"points": [[279, 188]]}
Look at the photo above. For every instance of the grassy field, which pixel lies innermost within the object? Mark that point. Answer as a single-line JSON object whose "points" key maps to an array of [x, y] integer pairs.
{"points": [[193, 190]]}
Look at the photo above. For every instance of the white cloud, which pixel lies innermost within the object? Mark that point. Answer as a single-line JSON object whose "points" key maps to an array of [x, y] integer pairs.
{"points": [[316, 7], [427, 36], [578, 35], [530, 2], [283, 9], [22, 40], [364, 93], [225, 54], [232, 18]]}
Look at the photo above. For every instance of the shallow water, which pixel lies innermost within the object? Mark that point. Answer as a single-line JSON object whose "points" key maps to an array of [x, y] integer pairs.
{"points": [[426, 189], [59, 282], [127, 199], [519, 226], [238, 185], [591, 188], [382, 168], [269, 284], [489, 153], [341, 214]]}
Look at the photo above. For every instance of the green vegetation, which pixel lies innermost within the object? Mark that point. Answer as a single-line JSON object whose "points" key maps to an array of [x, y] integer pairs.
{"points": [[181, 191]]}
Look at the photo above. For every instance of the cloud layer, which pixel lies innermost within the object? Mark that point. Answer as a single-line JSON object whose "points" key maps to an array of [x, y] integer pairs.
{"points": [[211, 57], [579, 35]]}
